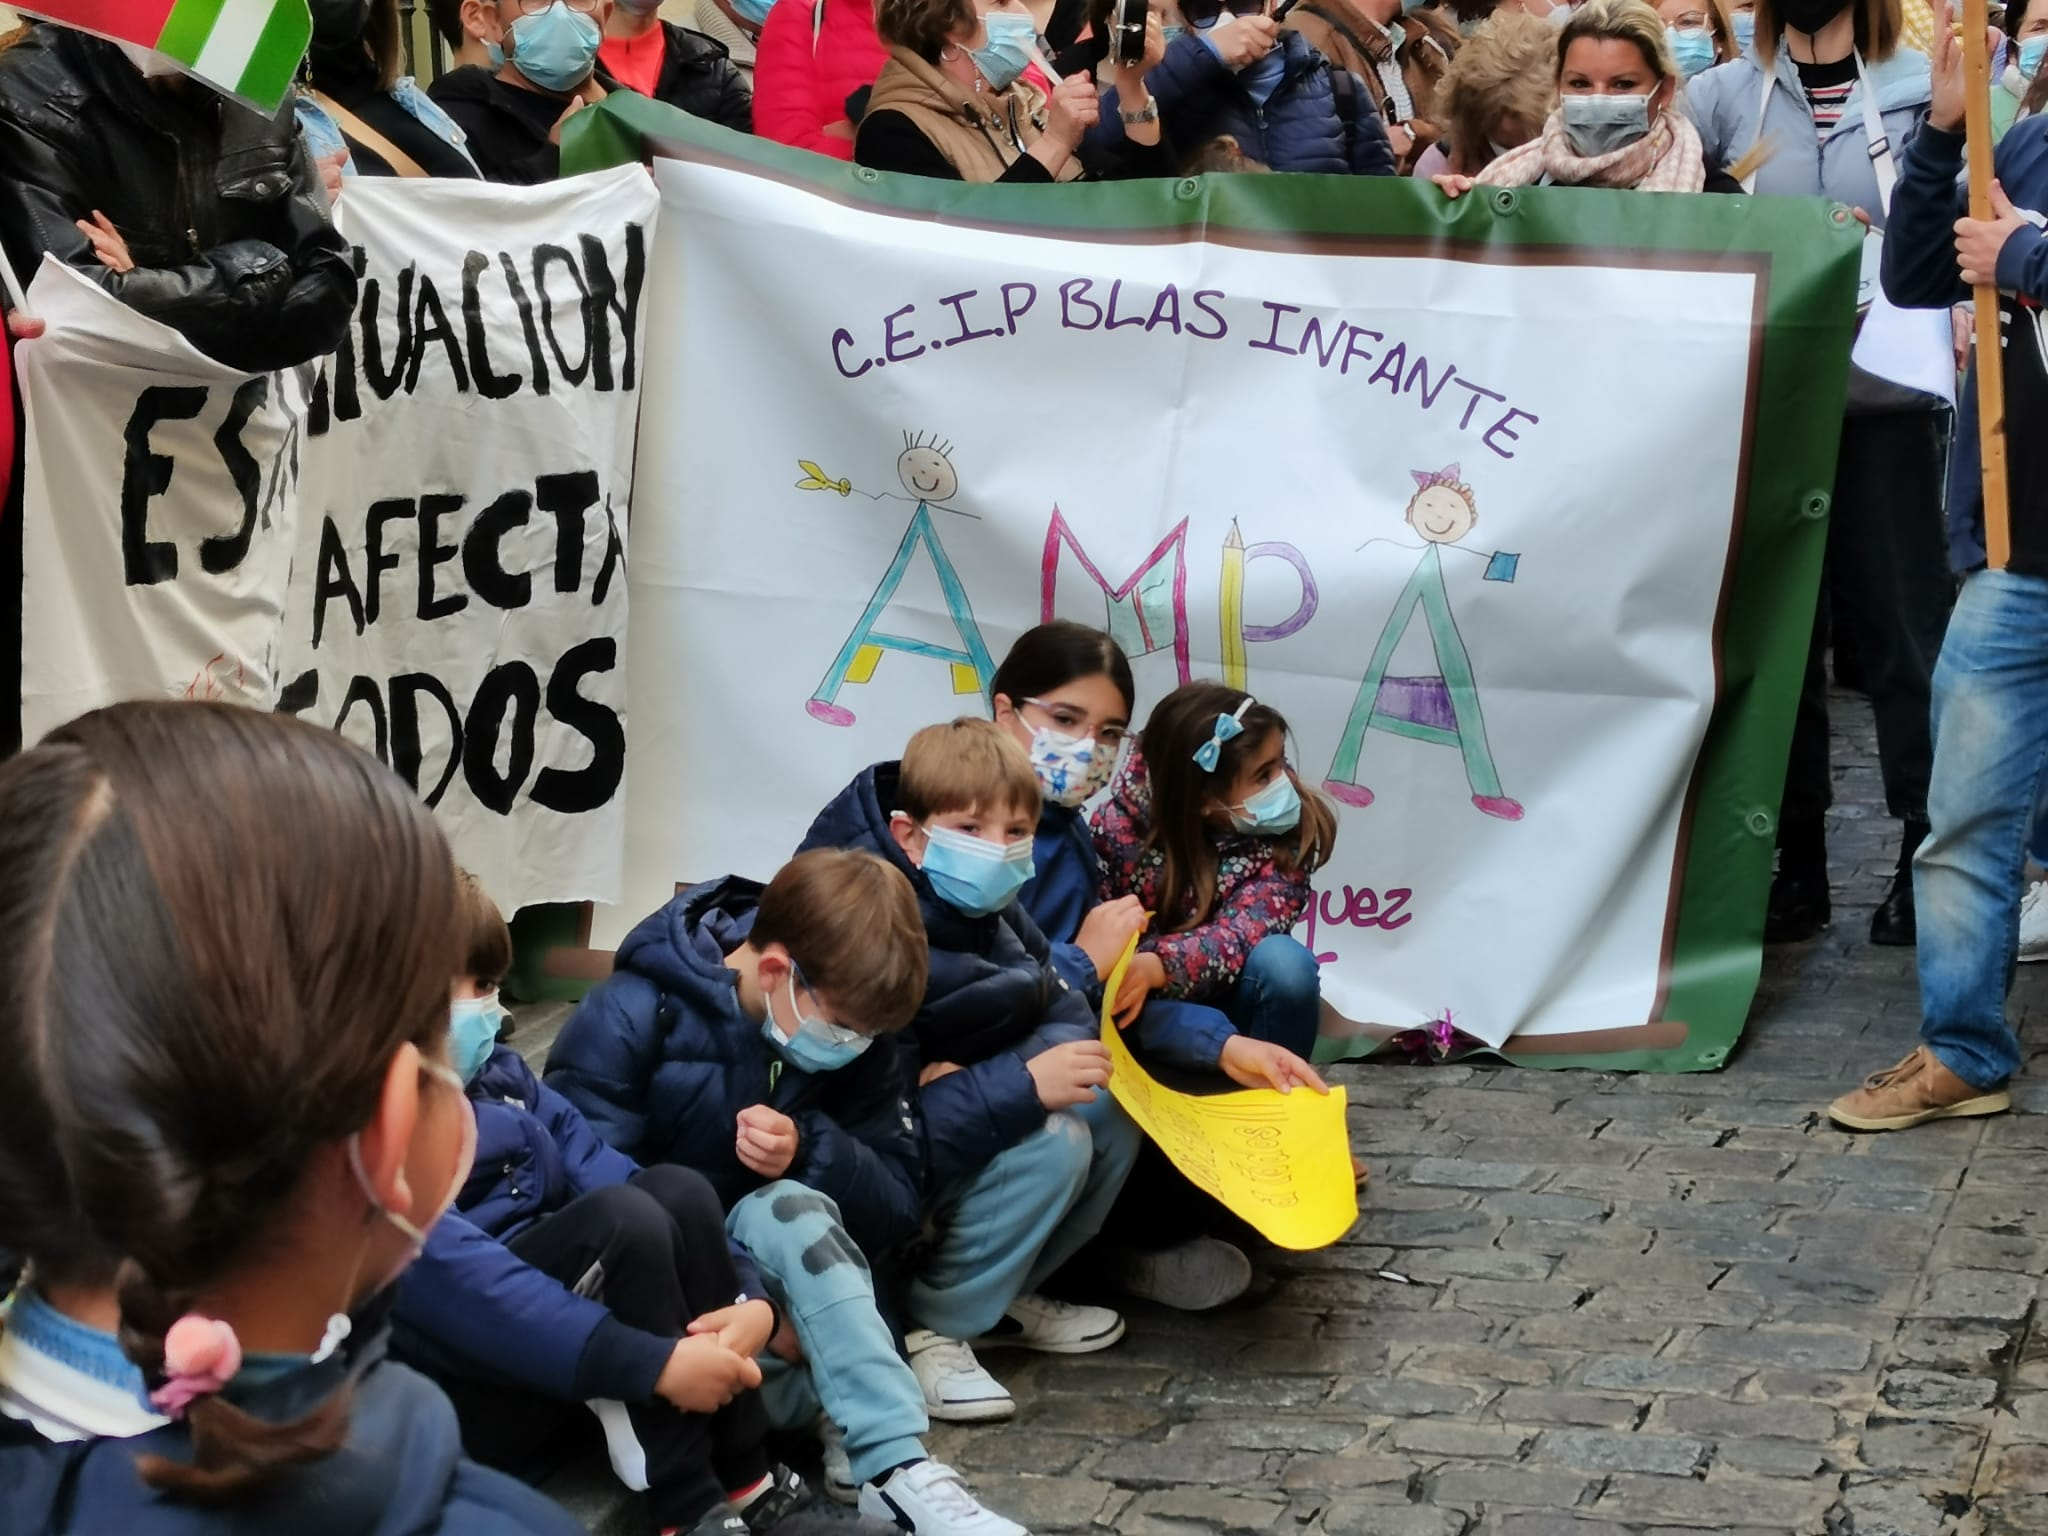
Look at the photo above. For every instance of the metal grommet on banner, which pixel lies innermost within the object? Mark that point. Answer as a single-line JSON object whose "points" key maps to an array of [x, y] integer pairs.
{"points": [[1814, 505], [1840, 213], [1760, 823], [1189, 187], [867, 173], [1505, 200]]}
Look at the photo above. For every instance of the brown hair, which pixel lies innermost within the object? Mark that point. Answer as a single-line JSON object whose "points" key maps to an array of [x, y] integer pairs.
{"points": [[1221, 155], [216, 927], [486, 940], [925, 27], [1878, 25], [1507, 68], [967, 764], [850, 922], [1181, 788]]}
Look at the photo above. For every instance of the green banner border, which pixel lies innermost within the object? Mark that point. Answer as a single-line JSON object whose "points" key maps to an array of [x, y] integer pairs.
{"points": [[1807, 251]]}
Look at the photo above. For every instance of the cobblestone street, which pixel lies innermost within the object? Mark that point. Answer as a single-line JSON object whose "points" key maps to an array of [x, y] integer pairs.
{"points": [[1636, 1304], [1631, 1304]]}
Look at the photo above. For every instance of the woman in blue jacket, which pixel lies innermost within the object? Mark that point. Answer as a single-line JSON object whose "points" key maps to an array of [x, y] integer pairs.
{"points": [[1287, 106], [1827, 95]]}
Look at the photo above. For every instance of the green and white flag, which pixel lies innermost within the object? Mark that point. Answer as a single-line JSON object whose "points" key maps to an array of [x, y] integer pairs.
{"points": [[248, 48]]}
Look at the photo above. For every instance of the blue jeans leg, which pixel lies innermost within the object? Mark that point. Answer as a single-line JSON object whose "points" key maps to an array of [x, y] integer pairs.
{"points": [[1115, 1139], [822, 1282], [1280, 995], [1990, 751], [994, 1226]]}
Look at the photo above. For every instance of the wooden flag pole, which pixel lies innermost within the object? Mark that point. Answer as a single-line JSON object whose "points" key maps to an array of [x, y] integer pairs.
{"points": [[1990, 354]]}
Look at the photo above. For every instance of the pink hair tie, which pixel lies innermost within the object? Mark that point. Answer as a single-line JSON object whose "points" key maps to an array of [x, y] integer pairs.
{"points": [[201, 1355]]}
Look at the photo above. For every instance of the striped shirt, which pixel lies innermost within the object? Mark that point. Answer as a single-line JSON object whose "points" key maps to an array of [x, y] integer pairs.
{"points": [[1827, 91]]}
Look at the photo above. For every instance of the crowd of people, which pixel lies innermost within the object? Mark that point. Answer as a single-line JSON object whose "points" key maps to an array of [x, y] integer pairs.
{"points": [[303, 1237]]}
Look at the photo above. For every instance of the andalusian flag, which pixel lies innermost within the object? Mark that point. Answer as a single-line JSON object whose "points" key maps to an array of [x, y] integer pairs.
{"points": [[248, 48]]}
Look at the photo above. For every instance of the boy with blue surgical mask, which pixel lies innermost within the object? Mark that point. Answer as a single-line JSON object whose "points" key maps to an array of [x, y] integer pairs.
{"points": [[512, 115], [1024, 1150], [747, 1034], [567, 1282]]}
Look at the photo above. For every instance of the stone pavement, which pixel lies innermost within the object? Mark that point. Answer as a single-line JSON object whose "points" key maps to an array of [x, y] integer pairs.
{"points": [[1584, 1305]]}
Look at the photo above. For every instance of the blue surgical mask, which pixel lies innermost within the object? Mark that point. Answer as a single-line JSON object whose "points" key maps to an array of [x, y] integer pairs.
{"points": [[1745, 28], [2030, 56], [1012, 39], [496, 55], [973, 874], [1174, 33], [1274, 809], [818, 1044], [557, 48], [473, 1034], [1692, 48], [754, 12], [1599, 125]]}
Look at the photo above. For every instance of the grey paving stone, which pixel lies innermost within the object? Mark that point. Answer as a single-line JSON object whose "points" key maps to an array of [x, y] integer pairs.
{"points": [[1945, 1451], [1936, 1394], [1532, 1405], [1780, 1504], [1175, 1511], [1355, 1519], [1798, 1349], [1978, 1293], [1950, 1344], [1406, 1399], [1438, 1437], [1890, 1509], [1461, 1173], [1793, 1420], [1628, 1373], [1771, 1458], [1602, 1451]]}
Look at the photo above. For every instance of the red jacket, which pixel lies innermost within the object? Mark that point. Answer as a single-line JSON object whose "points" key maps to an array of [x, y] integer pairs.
{"points": [[814, 54]]}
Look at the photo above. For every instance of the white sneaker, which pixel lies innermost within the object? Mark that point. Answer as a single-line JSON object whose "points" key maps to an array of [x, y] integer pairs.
{"points": [[927, 1498], [2034, 922], [956, 1388], [1195, 1277], [1055, 1327], [837, 1475]]}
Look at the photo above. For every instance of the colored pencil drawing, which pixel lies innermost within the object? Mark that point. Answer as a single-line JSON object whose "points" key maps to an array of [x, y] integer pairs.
{"points": [[1441, 707], [1236, 633], [925, 469], [1147, 611]]}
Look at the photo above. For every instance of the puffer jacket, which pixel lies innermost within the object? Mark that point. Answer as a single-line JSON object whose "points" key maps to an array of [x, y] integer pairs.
{"points": [[813, 54], [221, 208], [1349, 39], [470, 1306], [661, 1059], [400, 1472], [992, 1002], [1304, 126]]}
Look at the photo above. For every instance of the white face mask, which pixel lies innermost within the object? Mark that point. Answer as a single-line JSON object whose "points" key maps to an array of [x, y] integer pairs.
{"points": [[150, 64], [1070, 769]]}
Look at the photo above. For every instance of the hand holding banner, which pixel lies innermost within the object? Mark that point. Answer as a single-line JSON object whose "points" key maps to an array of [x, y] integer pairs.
{"points": [[1282, 1161]]}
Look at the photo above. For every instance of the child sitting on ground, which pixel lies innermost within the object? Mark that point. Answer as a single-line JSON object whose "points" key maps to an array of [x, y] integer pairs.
{"points": [[1065, 694], [229, 1117], [567, 1276], [745, 1034], [1024, 1149]]}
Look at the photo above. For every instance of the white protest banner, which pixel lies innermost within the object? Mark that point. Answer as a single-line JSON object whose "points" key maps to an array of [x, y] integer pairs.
{"points": [[1453, 505], [459, 600], [159, 511], [419, 541]]}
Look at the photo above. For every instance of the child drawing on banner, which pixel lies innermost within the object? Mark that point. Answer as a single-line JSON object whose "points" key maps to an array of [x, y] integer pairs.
{"points": [[928, 475], [1440, 706]]}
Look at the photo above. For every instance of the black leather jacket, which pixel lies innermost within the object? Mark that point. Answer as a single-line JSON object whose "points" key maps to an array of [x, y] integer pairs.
{"points": [[220, 207]]}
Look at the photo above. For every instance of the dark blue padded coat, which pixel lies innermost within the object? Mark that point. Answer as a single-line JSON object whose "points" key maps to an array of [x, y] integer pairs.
{"points": [[1304, 126], [993, 1000], [661, 1059]]}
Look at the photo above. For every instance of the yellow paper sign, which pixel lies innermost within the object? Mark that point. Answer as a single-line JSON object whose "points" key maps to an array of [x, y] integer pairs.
{"points": [[1282, 1161]]}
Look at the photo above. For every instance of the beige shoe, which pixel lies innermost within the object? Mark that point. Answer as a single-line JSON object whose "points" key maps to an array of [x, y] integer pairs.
{"points": [[1917, 1090]]}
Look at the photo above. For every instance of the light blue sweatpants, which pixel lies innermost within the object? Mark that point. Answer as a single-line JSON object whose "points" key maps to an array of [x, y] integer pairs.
{"points": [[851, 1371]]}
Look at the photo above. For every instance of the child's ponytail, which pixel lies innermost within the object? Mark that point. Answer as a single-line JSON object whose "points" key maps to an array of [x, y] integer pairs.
{"points": [[217, 926]]}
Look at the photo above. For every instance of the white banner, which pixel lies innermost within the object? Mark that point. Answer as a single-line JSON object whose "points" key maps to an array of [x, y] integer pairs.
{"points": [[1477, 565], [424, 546]]}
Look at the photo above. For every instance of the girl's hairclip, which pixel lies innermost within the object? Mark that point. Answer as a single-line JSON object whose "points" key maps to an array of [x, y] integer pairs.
{"points": [[201, 1355], [1210, 752]]}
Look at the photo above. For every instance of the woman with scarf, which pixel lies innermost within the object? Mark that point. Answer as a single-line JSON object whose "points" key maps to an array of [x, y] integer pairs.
{"points": [[954, 100], [1614, 125]]}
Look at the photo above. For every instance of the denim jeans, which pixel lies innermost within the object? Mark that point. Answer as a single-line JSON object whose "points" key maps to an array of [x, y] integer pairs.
{"points": [[1279, 996], [1990, 752], [851, 1369], [1004, 1231]]}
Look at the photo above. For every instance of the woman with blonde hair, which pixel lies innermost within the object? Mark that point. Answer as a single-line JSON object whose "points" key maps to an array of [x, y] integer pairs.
{"points": [[1614, 125], [1496, 95]]}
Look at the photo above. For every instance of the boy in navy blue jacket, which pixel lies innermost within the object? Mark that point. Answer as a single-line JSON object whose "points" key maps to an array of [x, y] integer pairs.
{"points": [[1023, 1148], [566, 1275], [746, 1034]]}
